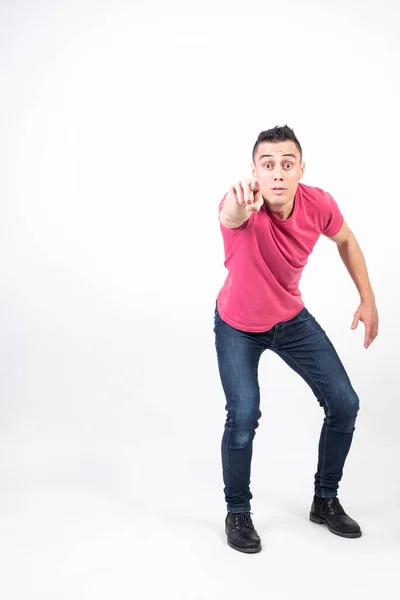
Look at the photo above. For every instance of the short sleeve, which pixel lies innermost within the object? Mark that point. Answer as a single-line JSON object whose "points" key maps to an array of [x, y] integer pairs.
{"points": [[333, 218]]}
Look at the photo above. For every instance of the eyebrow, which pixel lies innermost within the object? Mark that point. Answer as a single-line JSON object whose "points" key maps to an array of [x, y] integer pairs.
{"points": [[271, 156]]}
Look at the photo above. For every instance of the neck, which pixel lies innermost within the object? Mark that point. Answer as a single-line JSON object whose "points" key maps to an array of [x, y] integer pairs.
{"points": [[281, 212]]}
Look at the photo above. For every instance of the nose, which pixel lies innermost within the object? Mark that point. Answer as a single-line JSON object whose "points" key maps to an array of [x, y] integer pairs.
{"points": [[278, 173]]}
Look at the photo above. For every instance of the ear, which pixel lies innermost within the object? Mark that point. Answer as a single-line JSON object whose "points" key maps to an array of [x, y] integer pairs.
{"points": [[302, 167], [253, 169]]}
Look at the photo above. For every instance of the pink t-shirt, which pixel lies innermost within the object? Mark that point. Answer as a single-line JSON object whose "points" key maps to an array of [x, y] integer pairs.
{"points": [[265, 258]]}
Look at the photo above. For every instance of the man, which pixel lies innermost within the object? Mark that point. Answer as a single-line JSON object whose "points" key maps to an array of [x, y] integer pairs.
{"points": [[270, 224]]}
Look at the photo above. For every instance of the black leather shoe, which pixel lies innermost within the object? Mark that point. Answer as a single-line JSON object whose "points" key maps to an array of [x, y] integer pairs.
{"points": [[241, 534], [329, 511]]}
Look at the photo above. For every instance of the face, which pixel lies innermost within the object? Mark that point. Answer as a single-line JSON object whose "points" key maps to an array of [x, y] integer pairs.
{"points": [[278, 167]]}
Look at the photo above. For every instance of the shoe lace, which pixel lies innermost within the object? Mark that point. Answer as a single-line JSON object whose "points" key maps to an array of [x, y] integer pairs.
{"points": [[243, 520], [333, 507]]}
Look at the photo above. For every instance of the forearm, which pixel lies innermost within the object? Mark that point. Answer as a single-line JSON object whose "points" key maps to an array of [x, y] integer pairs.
{"points": [[353, 258], [233, 215]]}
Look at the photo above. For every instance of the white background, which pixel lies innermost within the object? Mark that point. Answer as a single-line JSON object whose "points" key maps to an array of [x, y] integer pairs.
{"points": [[122, 124]]}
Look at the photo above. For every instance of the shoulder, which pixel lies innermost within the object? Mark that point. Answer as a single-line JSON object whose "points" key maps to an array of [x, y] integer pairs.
{"points": [[315, 197], [321, 209]]}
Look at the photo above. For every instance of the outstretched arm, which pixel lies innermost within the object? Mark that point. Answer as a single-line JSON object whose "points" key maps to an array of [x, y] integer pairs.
{"points": [[352, 256]]}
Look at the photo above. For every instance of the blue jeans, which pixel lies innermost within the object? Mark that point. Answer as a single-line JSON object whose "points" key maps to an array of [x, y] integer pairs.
{"points": [[305, 347]]}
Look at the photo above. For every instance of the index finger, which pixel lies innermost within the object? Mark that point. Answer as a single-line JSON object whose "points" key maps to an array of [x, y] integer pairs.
{"points": [[368, 335], [248, 191]]}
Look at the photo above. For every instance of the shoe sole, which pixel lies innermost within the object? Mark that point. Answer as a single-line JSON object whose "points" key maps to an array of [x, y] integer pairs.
{"points": [[320, 521], [245, 550]]}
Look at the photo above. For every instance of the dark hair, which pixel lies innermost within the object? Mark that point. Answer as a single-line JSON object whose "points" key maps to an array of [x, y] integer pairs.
{"points": [[277, 134]]}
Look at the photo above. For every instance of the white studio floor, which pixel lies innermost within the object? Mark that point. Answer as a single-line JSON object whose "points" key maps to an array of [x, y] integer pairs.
{"points": [[78, 528]]}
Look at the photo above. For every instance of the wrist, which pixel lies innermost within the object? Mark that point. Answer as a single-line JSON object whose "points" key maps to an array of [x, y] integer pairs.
{"points": [[236, 214], [367, 297]]}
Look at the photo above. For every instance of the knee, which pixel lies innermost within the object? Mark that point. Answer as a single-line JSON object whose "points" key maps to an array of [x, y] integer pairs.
{"points": [[242, 426], [344, 409], [351, 405], [243, 419]]}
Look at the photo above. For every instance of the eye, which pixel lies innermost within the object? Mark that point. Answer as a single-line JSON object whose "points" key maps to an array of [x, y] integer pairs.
{"points": [[267, 165], [288, 165]]}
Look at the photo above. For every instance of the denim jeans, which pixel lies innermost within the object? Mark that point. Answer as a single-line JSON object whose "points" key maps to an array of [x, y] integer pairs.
{"points": [[305, 347]]}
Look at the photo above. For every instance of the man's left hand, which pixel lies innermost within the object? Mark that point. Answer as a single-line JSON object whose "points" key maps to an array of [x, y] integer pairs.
{"points": [[368, 314]]}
